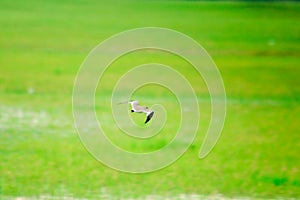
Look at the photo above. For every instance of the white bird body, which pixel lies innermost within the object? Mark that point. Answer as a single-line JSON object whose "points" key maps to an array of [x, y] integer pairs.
{"points": [[135, 107]]}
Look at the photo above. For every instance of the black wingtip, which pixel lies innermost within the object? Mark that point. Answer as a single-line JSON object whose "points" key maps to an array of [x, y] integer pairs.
{"points": [[149, 117]]}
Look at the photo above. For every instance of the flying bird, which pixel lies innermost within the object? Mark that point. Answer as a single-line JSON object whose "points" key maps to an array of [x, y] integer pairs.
{"points": [[135, 107]]}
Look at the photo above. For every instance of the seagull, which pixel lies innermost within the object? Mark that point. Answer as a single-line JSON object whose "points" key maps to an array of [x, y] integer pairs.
{"points": [[135, 107]]}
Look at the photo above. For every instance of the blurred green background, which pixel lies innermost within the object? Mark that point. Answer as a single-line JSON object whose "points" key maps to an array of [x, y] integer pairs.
{"points": [[255, 45]]}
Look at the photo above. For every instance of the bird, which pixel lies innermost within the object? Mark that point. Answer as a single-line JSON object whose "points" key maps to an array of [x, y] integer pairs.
{"points": [[135, 107]]}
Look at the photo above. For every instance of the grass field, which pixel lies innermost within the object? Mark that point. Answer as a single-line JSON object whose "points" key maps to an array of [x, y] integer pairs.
{"points": [[256, 47]]}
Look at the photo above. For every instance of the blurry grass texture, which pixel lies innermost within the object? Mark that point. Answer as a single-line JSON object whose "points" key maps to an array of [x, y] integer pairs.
{"points": [[255, 45]]}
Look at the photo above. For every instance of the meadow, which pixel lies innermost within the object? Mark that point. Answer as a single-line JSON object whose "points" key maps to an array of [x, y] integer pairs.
{"points": [[256, 47]]}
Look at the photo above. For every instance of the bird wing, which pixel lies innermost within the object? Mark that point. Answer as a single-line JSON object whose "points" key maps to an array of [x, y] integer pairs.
{"points": [[149, 116], [135, 103]]}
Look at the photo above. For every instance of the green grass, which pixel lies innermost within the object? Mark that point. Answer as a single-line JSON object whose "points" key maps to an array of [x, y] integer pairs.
{"points": [[255, 45]]}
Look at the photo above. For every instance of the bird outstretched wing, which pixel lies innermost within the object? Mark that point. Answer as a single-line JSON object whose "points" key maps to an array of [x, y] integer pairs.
{"points": [[149, 116]]}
